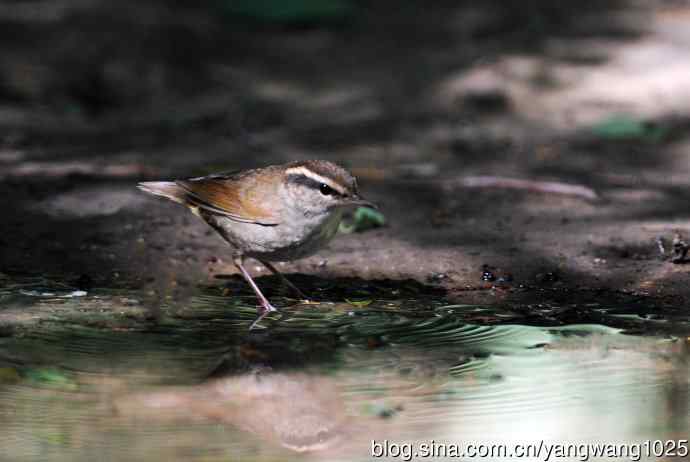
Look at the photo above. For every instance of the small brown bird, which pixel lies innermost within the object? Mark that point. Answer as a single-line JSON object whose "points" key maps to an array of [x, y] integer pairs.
{"points": [[276, 213]]}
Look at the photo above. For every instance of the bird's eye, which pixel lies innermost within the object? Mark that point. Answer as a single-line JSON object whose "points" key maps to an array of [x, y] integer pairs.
{"points": [[326, 190]]}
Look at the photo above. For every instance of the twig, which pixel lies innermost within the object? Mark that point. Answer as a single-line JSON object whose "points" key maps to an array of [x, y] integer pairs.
{"points": [[551, 187], [63, 169]]}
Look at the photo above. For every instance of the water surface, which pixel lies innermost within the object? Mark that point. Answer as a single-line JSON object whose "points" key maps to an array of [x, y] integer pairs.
{"points": [[94, 377]]}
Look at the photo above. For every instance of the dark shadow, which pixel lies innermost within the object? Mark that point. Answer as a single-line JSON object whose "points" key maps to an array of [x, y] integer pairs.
{"points": [[337, 289]]}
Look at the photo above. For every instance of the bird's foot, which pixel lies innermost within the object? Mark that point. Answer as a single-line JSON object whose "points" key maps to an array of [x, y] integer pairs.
{"points": [[265, 309]]}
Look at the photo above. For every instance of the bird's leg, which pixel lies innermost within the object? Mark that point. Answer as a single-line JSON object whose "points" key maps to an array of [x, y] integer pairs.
{"points": [[300, 295], [266, 306]]}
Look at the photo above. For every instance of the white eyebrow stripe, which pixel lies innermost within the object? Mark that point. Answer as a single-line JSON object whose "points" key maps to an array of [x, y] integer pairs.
{"points": [[316, 177]]}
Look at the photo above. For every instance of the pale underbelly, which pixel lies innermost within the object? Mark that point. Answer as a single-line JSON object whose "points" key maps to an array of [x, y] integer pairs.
{"points": [[276, 243]]}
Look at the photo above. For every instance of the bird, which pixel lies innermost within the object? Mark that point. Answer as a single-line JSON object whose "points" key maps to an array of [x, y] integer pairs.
{"points": [[274, 213]]}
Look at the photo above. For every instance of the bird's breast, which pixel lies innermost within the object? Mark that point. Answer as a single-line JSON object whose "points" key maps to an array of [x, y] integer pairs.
{"points": [[293, 238], [301, 239]]}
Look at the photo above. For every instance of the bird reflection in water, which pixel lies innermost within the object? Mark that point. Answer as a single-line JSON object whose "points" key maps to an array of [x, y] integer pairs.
{"points": [[297, 411]]}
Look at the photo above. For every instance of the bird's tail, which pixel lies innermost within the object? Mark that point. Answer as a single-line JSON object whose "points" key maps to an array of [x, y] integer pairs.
{"points": [[166, 189]]}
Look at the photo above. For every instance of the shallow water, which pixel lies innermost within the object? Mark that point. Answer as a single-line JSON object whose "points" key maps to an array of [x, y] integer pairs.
{"points": [[92, 377]]}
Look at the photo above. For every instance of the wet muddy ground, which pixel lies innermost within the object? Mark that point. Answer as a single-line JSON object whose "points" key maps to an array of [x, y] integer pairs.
{"points": [[548, 296], [413, 140]]}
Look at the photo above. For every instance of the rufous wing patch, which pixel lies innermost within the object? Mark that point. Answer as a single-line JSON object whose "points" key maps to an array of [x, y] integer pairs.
{"points": [[239, 200]]}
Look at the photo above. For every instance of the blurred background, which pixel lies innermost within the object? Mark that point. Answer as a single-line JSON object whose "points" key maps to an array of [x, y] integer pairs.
{"points": [[532, 164]]}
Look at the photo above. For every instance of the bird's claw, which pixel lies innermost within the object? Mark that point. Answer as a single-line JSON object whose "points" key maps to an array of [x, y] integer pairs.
{"points": [[265, 310]]}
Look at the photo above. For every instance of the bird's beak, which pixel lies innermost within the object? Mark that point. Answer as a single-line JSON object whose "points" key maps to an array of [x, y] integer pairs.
{"points": [[356, 200]]}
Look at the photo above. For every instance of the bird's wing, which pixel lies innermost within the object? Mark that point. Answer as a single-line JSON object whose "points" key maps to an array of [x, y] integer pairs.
{"points": [[242, 197]]}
